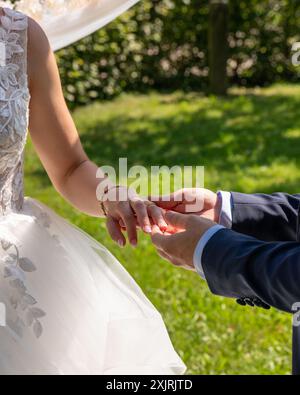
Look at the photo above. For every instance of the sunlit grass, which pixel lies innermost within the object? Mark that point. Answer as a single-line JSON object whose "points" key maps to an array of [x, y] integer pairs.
{"points": [[247, 142]]}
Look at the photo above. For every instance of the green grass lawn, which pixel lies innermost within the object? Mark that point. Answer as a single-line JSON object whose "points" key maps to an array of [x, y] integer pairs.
{"points": [[248, 142]]}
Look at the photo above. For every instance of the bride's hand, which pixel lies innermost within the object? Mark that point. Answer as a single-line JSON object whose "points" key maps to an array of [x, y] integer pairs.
{"points": [[125, 210]]}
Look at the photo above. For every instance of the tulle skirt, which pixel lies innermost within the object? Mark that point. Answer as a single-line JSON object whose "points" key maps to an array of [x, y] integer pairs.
{"points": [[71, 308]]}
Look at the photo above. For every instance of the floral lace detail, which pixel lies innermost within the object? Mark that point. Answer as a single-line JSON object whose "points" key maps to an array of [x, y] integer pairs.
{"points": [[15, 270], [14, 102]]}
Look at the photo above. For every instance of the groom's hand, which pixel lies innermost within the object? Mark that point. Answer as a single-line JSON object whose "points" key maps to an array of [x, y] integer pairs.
{"points": [[198, 201], [179, 247]]}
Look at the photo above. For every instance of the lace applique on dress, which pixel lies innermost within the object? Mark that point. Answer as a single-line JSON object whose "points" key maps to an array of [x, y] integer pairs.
{"points": [[14, 103], [15, 270]]}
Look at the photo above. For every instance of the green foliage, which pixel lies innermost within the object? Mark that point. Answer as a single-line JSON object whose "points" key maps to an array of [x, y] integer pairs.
{"points": [[247, 142], [162, 44]]}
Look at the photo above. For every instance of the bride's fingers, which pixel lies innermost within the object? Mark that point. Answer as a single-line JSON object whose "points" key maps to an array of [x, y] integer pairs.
{"points": [[123, 226], [157, 216], [166, 202], [140, 209], [114, 231], [121, 223], [129, 220]]}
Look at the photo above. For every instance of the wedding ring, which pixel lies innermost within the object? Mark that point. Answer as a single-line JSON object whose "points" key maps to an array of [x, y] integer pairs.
{"points": [[103, 209], [101, 200]]}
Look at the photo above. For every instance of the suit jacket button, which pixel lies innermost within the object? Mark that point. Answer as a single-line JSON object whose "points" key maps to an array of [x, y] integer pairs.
{"points": [[265, 306], [241, 302], [258, 302], [249, 302]]}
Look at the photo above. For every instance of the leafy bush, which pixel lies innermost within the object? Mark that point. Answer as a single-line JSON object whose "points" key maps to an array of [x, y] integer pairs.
{"points": [[162, 44]]}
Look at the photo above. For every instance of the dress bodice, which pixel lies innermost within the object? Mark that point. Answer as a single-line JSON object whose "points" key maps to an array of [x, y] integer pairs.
{"points": [[14, 107]]}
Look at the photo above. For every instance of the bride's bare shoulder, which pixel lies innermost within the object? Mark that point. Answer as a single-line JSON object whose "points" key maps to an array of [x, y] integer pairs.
{"points": [[37, 39], [40, 55]]}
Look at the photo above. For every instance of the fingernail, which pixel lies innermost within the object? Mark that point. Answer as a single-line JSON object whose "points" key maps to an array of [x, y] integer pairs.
{"points": [[133, 242], [147, 229], [156, 229], [121, 243]]}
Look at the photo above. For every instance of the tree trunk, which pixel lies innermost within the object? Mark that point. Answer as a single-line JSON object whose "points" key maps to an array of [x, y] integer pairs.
{"points": [[218, 46]]}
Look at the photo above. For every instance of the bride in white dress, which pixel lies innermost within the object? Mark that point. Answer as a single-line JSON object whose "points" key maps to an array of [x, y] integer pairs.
{"points": [[71, 308]]}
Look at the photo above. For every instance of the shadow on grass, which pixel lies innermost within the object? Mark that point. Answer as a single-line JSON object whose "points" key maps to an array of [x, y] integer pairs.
{"points": [[243, 132], [235, 133]]}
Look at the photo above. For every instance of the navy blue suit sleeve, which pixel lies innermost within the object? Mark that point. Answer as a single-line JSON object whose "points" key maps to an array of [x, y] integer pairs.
{"points": [[267, 217], [237, 265]]}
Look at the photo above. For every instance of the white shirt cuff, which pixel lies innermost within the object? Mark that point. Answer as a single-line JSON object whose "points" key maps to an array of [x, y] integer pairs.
{"points": [[200, 247], [226, 209]]}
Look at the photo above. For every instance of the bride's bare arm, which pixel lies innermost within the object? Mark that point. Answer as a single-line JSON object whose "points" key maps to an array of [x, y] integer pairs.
{"points": [[58, 145], [52, 129]]}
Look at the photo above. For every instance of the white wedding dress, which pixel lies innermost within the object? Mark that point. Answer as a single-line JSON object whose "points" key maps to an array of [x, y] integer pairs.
{"points": [[71, 308]]}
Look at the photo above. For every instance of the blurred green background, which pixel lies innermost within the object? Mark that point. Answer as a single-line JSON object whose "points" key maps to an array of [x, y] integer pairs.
{"points": [[153, 64], [163, 44]]}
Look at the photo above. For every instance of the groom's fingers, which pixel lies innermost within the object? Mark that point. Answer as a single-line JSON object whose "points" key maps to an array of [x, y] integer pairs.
{"points": [[163, 255], [169, 258], [166, 202], [160, 240], [190, 200], [172, 200]]}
